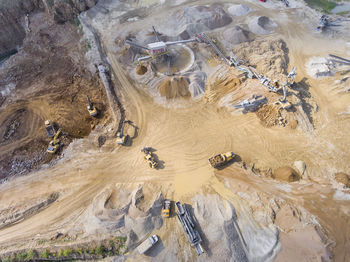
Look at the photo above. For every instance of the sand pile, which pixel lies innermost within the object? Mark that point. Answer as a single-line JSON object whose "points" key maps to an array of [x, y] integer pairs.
{"points": [[286, 174], [269, 57], [141, 70], [128, 212], [267, 115], [239, 10], [318, 67], [343, 178], [195, 19], [262, 25], [236, 35], [174, 87], [220, 85]]}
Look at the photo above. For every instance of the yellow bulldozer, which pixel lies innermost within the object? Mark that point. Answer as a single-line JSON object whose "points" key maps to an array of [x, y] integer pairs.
{"points": [[54, 144]]}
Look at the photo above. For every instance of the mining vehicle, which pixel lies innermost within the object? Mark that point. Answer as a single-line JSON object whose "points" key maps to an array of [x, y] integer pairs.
{"points": [[166, 208], [121, 138], [50, 129], [149, 157], [91, 108], [54, 144], [221, 159], [147, 244]]}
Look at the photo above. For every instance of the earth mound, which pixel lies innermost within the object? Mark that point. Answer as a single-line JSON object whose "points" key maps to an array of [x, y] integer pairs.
{"points": [[239, 10], [141, 70], [286, 173], [174, 87], [236, 35], [343, 178], [269, 57], [262, 25], [195, 19]]}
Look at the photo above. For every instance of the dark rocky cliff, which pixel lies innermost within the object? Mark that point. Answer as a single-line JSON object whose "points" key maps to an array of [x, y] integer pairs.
{"points": [[13, 13]]}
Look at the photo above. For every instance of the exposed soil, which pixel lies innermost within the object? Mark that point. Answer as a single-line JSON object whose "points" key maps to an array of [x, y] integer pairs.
{"points": [[174, 87], [50, 82]]}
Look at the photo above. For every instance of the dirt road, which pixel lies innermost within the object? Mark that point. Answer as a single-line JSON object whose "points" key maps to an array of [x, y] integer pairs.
{"points": [[184, 138]]}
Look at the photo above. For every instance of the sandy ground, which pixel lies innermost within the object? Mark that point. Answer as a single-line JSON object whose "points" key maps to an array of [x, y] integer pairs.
{"points": [[185, 136]]}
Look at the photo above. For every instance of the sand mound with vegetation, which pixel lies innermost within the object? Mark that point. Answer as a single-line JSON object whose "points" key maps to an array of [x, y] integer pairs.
{"points": [[343, 178], [286, 173], [174, 87]]}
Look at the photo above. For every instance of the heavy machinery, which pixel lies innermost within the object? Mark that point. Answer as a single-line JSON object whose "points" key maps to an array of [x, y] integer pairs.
{"points": [[221, 159], [91, 108], [325, 23], [149, 157], [121, 138], [147, 244], [157, 49], [166, 208], [50, 129], [54, 144], [186, 221]]}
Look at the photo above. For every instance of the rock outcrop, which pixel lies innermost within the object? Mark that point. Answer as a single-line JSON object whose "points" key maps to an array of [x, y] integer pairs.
{"points": [[13, 18]]}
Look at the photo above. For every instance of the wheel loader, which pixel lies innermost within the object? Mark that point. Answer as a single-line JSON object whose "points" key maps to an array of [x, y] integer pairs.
{"points": [[91, 108], [54, 144], [149, 157], [221, 159]]}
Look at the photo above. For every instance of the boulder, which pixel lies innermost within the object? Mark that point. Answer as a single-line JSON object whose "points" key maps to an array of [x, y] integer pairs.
{"points": [[343, 178], [300, 166]]}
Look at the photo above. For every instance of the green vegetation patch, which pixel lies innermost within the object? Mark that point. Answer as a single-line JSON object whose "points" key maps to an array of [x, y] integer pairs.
{"points": [[323, 5]]}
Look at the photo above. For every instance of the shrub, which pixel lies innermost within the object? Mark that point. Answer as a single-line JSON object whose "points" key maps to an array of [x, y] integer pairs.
{"points": [[67, 252], [100, 250], [21, 256], [60, 253], [31, 254], [45, 254]]}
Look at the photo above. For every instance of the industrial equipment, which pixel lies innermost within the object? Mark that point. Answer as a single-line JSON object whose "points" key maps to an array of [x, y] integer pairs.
{"points": [[50, 129], [157, 49], [147, 244], [166, 208], [91, 108], [251, 104], [121, 138], [186, 221], [221, 159], [54, 144], [149, 157], [325, 23]]}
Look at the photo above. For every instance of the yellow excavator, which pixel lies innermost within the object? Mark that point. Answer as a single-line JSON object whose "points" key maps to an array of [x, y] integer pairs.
{"points": [[121, 138], [54, 144], [91, 108]]}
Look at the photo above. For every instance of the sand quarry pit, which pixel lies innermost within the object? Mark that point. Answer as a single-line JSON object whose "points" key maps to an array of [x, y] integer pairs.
{"points": [[97, 191]]}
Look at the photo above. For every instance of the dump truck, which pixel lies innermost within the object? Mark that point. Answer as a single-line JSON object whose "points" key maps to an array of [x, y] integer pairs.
{"points": [[221, 159], [50, 129], [166, 208], [147, 244]]}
